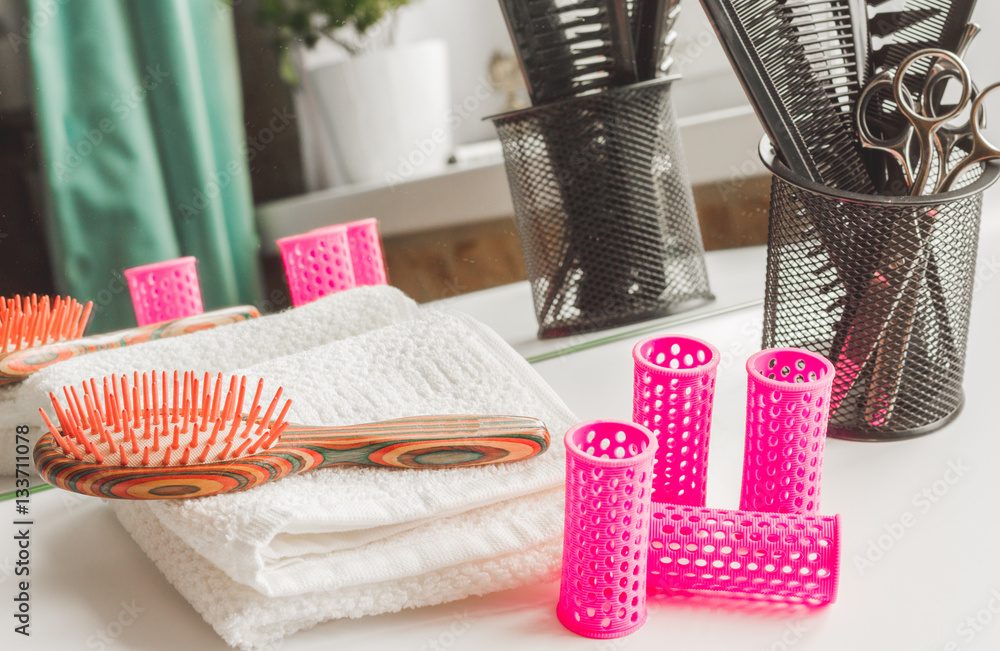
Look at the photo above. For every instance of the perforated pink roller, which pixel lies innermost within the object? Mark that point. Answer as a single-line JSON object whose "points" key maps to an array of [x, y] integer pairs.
{"points": [[609, 472], [317, 263], [673, 391], [777, 557], [366, 252], [165, 290], [788, 406]]}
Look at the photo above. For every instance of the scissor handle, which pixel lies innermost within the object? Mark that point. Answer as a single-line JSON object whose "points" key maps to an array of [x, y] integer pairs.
{"points": [[899, 145], [930, 99], [982, 149], [926, 126]]}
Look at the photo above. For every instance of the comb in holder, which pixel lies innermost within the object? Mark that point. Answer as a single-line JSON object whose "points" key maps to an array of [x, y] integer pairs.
{"points": [[797, 61], [570, 47]]}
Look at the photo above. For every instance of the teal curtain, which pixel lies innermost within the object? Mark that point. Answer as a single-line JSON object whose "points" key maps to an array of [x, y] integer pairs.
{"points": [[141, 122]]}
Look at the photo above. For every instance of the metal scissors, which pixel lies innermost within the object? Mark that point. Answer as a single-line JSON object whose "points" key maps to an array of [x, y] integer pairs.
{"points": [[981, 150], [927, 117]]}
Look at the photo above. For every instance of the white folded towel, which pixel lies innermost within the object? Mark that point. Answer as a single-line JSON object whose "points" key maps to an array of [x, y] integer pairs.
{"points": [[347, 542], [220, 350], [319, 530], [246, 619]]}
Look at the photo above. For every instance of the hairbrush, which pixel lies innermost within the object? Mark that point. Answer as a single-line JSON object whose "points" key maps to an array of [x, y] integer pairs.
{"points": [[32, 322], [21, 362], [160, 437]]}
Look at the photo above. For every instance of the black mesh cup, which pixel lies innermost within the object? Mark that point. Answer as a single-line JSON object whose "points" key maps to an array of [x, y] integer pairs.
{"points": [[881, 285], [604, 209]]}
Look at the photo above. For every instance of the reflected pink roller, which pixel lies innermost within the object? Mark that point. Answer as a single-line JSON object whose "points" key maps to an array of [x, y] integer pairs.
{"points": [[776, 557], [366, 252], [317, 263], [165, 291], [609, 472], [673, 392], [788, 407]]}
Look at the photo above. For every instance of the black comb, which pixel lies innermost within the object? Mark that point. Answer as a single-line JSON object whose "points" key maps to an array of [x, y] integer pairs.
{"points": [[798, 62], [571, 47]]}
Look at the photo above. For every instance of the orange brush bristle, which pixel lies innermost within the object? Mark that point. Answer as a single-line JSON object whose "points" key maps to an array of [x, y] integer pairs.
{"points": [[33, 322], [119, 424]]}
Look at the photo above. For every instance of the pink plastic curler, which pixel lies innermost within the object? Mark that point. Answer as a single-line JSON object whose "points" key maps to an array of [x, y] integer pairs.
{"points": [[165, 290], [609, 472], [366, 252], [673, 392], [317, 263], [782, 557], [788, 406]]}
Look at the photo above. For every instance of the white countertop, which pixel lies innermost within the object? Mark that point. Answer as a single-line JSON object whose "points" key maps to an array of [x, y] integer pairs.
{"points": [[913, 592]]}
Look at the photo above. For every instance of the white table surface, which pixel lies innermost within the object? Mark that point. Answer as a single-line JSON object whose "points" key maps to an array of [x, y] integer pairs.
{"points": [[923, 591]]}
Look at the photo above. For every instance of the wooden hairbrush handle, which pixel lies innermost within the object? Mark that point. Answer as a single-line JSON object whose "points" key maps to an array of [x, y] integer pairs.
{"points": [[415, 442], [18, 365]]}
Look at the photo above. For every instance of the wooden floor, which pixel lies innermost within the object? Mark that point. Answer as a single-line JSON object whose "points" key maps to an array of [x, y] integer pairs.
{"points": [[448, 262]]}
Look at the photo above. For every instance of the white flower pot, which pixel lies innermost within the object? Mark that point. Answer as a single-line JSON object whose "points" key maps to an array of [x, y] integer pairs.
{"points": [[388, 111]]}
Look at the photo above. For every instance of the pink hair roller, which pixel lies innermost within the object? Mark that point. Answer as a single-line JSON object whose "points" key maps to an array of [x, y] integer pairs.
{"points": [[776, 557], [165, 290], [317, 263], [673, 391], [609, 472], [788, 406], [366, 252]]}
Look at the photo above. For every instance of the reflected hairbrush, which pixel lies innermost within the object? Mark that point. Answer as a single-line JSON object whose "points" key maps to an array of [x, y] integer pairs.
{"points": [[19, 363], [32, 322], [140, 440]]}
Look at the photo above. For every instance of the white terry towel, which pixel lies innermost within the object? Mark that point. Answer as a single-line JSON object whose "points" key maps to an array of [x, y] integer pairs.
{"points": [[273, 538], [246, 619], [217, 350], [339, 542]]}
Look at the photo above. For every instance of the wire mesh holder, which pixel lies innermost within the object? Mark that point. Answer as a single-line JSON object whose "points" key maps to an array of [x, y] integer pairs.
{"points": [[880, 285], [604, 209]]}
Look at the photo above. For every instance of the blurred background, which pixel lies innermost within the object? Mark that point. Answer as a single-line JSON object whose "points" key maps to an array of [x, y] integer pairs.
{"points": [[133, 132]]}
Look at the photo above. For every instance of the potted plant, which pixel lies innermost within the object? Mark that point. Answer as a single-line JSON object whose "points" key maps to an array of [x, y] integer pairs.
{"points": [[384, 105]]}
